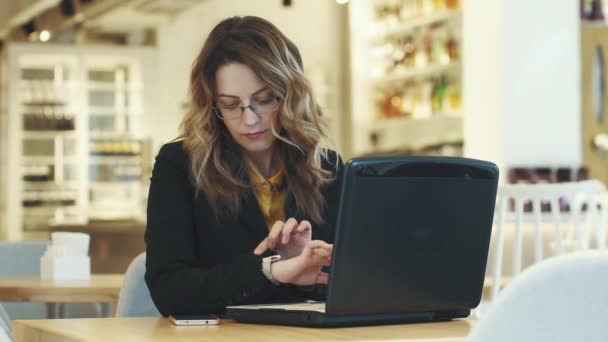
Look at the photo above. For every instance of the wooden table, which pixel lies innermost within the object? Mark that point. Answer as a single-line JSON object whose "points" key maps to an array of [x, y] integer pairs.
{"points": [[160, 329], [101, 288]]}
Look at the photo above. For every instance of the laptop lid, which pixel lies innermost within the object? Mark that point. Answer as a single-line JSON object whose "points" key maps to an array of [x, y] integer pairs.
{"points": [[412, 235]]}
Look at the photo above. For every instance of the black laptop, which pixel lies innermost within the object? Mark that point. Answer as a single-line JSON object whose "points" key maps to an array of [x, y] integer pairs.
{"points": [[411, 245]]}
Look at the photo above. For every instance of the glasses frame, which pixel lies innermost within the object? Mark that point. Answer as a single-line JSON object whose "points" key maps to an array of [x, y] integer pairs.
{"points": [[252, 106]]}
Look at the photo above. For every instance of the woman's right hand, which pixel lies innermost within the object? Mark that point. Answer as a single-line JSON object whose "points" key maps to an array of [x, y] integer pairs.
{"points": [[305, 269], [286, 238]]}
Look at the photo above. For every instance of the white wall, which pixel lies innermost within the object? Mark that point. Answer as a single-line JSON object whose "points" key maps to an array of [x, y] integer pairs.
{"points": [[482, 80], [315, 26], [542, 87], [522, 91]]}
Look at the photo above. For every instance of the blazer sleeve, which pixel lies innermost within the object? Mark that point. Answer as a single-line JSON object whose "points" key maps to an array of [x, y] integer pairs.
{"points": [[176, 283]]}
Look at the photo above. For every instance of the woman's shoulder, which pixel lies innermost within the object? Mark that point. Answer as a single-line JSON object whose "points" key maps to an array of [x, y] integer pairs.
{"points": [[174, 148], [174, 153]]}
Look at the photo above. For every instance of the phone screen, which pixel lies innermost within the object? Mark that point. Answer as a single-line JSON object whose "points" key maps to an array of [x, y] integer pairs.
{"points": [[194, 319]]}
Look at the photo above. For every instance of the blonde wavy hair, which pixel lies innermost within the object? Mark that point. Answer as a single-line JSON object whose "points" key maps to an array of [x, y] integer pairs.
{"points": [[216, 162]]}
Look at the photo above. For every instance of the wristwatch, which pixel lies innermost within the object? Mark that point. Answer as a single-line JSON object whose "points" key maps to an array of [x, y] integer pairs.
{"points": [[266, 262]]}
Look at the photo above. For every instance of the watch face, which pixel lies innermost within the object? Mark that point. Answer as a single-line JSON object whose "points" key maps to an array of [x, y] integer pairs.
{"points": [[271, 259]]}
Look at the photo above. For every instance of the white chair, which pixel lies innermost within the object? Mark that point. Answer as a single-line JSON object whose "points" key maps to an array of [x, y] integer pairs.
{"points": [[588, 203], [134, 299], [560, 299], [4, 336], [5, 323]]}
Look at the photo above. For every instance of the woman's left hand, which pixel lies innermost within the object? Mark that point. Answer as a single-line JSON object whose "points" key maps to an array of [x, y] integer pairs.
{"points": [[288, 239]]}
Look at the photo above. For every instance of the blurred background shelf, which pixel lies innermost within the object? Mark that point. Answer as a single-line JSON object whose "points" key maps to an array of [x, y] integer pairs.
{"points": [[406, 72], [423, 135], [421, 72], [398, 29], [83, 152]]}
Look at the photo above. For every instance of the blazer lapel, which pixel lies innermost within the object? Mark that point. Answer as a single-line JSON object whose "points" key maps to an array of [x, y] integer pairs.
{"points": [[250, 215]]}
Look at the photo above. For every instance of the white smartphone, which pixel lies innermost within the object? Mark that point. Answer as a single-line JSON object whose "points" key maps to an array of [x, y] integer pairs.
{"points": [[194, 319]]}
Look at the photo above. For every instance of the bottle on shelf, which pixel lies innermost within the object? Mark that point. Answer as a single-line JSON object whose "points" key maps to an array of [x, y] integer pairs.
{"points": [[38, 173], [31, 200], [421, 53], [45, 107], [452, 4], [389, 103], [50, 121], [407, 100], [438, 94], [453, 100], [115, 148], [115, 173], [419, 99], [439, 5], [54, 198], [434, 45], [439, 54], [423, 108], [451, 47]]}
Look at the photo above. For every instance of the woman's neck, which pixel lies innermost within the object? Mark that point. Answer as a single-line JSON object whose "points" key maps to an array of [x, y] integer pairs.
{"points": [[264, 162]]}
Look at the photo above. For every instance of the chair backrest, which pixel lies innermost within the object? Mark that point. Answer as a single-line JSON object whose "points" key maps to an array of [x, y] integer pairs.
{"points": [[560, 299], [22, 258], [134, 299], [587, 203]]}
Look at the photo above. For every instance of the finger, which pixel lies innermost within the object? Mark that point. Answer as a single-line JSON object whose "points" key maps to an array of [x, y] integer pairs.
{"points": [[319, 244], [287, 229], [323, 252], [274, 233], [322, 278], [313, 244], [304, 226], [321, 257], [261, 248]]}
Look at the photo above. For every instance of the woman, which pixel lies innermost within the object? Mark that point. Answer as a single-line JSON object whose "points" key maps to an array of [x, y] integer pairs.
{"points": [[246, 185]]}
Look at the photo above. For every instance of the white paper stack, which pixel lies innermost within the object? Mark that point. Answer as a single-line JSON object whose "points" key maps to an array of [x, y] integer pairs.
{"points": [[66, 258]]}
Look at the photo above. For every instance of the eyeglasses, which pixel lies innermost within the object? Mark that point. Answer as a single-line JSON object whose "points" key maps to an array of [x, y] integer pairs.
{"points": [[259, 107]]}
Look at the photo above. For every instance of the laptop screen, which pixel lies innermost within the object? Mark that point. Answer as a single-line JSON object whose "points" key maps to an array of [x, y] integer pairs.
{"points": [[413, 235]]}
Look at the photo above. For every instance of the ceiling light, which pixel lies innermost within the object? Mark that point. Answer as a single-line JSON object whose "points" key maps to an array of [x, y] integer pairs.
{"points": [[45, 36]]}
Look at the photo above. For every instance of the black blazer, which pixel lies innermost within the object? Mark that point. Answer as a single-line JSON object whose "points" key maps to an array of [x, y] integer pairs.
{"points": [[196, 264]]}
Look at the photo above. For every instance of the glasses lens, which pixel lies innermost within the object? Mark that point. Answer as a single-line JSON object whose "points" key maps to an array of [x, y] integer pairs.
{"points": [[265, 106], [230, 112], [260, 107]]}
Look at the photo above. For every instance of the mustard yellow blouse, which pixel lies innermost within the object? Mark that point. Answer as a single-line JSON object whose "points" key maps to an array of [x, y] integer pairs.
{"points": [[269, 193]]}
